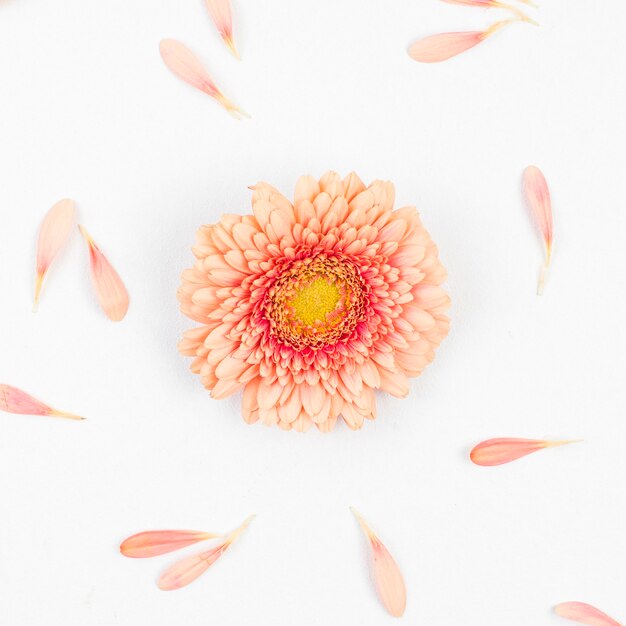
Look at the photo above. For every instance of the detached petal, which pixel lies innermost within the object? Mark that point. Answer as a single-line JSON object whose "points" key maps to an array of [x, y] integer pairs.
{"points": [[186, 66], [493, 4], [222, 18], [504, 450], [13, 400], [584, 614], [387, 576], [155, 542], [53, 234], [109, 287]]}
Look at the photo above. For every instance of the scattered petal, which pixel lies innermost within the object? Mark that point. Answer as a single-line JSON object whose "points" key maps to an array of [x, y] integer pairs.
{"points": [[109, 287], [494, 4], [53, 234], [155, 542], [585, 614], [387, 575], [13, 400], [538, 200], [443, 46], [505, 450], [187, 67], [188, 569], [223, 20]]}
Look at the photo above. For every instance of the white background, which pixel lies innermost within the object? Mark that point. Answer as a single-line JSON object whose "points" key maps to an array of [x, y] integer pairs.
{"points": [[87, 110]]}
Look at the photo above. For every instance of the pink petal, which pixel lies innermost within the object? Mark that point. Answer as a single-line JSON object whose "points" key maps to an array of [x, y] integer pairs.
{"points": [[53, 234], [538, 199], [443, 46], [186, 66], [188, 569], [109, 287], [585, 614], [504, 450], [155, 542], [222, 18], [13, 400], [493, 4], [387, 576]]}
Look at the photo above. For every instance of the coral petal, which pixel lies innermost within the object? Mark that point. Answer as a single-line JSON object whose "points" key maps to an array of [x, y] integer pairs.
{"points": [[387, 576], [585, 614], [222, 18], [109, 287], [155, 542], [13, 400], [53, 234], [504, 450]]}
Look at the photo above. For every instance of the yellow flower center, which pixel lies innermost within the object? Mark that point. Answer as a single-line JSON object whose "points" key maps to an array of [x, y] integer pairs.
{"points": [[313, 302]]}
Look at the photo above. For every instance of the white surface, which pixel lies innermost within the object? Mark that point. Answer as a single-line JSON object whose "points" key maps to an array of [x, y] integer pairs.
{"points": [[87, 110]]}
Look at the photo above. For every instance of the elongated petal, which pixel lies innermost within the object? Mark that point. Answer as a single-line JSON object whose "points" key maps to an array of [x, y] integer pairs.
{"points": [[443, 46], [505, 450], [538, 200], [53, 234], [186, 66], [155, 542], [188, 569], [493, 4], [13, 400], [387, 576], [585, 614], [109, 287], [222, 18]]}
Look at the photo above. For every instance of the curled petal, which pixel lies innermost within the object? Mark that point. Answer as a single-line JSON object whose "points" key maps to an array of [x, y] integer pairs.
{"points": [[538, 200], [443, 46], [53, 234], [109, 287], [584, 613], [13, 400], [155, 542], [186, 66], [222, 18], [387, 576], [188, 569], [493, 4], [504, 450]]}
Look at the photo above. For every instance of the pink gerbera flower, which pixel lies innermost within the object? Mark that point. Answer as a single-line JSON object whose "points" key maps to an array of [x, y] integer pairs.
{"points": [[310, 307]]}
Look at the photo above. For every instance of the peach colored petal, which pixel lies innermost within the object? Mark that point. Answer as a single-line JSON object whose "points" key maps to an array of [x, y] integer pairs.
{"points": [[493, 4], [443, 46], [182, 62], [13, 400], [387, 576], [584, 614], [538, 199], [188, 569], [109, 287], [222, 18], [156, 542], [53, 234], [504, 450]]}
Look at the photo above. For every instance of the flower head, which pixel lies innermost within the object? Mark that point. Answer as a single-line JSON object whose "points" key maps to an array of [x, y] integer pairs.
{"points": [[311, 306]]}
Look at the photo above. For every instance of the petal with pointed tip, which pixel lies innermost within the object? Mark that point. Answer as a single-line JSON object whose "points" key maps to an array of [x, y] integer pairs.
{"points": [[13, 400], [504, 450], [387, 576], [109, 287], [584, 614], [222, 18], [155, 542], [53, 234]]}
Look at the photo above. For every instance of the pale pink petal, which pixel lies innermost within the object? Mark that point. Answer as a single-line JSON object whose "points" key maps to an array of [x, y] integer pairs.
{"points": [[188, 569], [584, 614], [187, 67], [387, 576], [443, 46], [222, 18], [538, 199], [504, 450], [155, 542], [53, 234], [109, 287], [493, 4], [13, 400]]}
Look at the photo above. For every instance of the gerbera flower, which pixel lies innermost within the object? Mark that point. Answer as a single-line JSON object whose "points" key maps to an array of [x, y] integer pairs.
{"points": [[311, 306]]}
